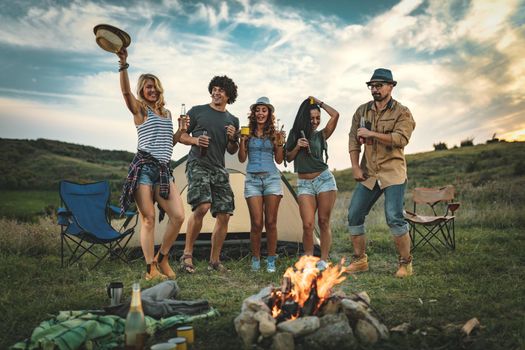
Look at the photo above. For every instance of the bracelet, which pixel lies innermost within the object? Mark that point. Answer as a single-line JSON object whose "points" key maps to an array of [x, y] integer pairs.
{"points": [[123, 67]]}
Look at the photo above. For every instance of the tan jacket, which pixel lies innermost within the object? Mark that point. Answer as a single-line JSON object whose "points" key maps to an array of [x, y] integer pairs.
{"points": [[383, 163]]}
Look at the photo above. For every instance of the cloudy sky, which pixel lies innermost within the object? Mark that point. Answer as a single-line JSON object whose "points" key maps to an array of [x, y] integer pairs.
{"points": [[460, 65]]}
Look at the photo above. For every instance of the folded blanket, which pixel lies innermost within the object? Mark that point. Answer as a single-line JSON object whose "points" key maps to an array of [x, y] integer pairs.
{"points": [[159, 301]]}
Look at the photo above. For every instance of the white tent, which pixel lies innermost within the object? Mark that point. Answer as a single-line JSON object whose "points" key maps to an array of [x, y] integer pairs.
{"points": [[289, 225]]}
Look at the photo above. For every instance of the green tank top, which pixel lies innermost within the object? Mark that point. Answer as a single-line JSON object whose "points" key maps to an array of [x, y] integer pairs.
{"points": [[313, 162]]}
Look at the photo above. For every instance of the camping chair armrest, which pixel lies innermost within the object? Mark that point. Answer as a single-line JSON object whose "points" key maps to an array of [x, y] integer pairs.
{"points": [[63, 216], [116, 211], [452, 207]]}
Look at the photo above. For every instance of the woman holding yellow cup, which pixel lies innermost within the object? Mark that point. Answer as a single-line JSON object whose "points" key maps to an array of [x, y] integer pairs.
{"points": [[262, 145]]}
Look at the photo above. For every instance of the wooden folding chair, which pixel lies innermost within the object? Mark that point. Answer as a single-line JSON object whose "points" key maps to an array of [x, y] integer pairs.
{"points": [[433, 229]]}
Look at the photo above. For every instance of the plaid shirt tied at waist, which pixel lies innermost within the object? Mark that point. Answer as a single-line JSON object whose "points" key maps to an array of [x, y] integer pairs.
{"points": [[130, 185]]}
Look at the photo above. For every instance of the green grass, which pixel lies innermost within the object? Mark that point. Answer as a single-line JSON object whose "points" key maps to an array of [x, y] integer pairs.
{"points": [[483, 278], [27, 205]]}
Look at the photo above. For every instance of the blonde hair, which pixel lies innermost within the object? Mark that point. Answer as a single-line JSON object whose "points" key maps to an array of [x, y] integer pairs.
{"points": [[159, 105]]}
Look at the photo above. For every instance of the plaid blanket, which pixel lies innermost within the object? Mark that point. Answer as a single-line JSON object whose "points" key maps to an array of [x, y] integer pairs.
{"points": [[91, 330]]}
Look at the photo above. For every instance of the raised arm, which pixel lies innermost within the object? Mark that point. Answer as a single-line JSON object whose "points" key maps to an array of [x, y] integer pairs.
{"points": [[131, 102], [334, 117]]}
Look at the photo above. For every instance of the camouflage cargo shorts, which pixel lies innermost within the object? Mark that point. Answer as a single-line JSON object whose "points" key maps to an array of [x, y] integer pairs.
{"points": [[209, 184]]}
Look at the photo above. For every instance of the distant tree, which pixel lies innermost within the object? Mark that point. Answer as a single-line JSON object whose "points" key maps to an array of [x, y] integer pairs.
{"points": [[467, 142], [494, 139], [440, 146]]}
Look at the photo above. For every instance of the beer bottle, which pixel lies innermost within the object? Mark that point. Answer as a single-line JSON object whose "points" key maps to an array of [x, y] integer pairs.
{"points": [[362, 124], [183, 110], [135, 331], [204, 150]]}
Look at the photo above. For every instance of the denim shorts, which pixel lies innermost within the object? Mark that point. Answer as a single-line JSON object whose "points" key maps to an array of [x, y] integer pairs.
{"points": [[262, 184], [150, 175], [325, 182]]}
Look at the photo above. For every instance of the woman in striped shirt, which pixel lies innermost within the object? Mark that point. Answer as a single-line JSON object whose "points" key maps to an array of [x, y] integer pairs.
{"points": [[149, 177]]}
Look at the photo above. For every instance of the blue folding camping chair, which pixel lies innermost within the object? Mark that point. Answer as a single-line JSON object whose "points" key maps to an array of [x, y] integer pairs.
{"points": [[85, 223]]}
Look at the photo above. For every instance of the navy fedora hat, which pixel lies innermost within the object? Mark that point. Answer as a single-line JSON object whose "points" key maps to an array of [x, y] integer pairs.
{"points": [[382, 75]]}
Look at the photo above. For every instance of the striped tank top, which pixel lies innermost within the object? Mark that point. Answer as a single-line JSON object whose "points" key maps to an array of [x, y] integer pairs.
{"points": [[156, 136]]}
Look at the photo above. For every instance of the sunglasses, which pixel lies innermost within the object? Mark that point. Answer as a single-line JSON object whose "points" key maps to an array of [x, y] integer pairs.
{"points": [[376, 86]]}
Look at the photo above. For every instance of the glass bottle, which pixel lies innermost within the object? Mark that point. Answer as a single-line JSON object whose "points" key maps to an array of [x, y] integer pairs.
{"points": [[135, 331], [204, 150]]}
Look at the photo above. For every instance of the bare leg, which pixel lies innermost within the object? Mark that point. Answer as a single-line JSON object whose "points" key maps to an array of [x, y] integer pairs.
{"points": [[325, 204], [218, 236], [271, 206], [174, 209], [144, 201], [255, 206], [403, 245], [359, 244], [307, 209], [194, 228]]}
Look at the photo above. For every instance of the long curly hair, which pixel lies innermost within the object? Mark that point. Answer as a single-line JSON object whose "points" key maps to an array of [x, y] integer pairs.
{"points": [[269, 125], [225, 83], [160, 103]]}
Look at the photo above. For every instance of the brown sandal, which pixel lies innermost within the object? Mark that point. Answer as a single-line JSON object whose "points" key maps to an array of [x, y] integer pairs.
{"points": [[184, 266]]}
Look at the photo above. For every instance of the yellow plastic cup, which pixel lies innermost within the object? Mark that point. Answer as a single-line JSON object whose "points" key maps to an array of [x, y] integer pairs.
{"points": [[179, 342], [245, 130], [186, 332]]}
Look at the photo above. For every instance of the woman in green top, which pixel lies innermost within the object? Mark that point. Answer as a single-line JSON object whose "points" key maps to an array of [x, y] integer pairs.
{"points": [[316, 187]]}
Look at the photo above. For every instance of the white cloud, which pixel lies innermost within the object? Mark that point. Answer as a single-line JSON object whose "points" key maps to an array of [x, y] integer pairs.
{"points": [[442, 82]]}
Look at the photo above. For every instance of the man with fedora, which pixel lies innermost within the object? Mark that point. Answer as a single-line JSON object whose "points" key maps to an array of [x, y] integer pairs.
{"points": [[384, 127]]}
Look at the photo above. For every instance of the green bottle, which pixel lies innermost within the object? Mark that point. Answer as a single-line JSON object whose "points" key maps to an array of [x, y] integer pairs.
{"points": [[135, 332]]}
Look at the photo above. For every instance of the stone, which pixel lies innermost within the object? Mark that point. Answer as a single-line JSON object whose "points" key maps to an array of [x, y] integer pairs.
{"points": [[300, 326], [332, 306], [362, 296], [334, 333], [283, 341], [258, 301], [247, 328], [267, 326], [353, 309], [366, 332], [379, 326]]}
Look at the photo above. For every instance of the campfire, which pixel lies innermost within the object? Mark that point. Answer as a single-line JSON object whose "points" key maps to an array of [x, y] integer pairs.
{"points": [[305, 289], [306, 311]]}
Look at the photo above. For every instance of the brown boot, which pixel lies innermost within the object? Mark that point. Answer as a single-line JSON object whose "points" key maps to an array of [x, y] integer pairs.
{"points": [[154, 273], [405, 267], [359, 264], [164, 266]]}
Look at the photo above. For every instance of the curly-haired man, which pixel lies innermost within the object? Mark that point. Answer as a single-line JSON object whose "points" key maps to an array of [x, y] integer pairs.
{"points": [[213, 132]]}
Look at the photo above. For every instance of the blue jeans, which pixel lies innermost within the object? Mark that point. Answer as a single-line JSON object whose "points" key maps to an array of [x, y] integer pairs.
{"points": [[362, 201]]}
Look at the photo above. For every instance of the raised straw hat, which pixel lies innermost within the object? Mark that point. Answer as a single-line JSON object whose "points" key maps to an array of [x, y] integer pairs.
{"points": [[111, 38]]}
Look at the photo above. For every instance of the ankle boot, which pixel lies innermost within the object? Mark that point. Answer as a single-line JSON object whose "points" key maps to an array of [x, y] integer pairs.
{"points": [[405, 267], [154, 273], [164, 266], [359, 264]]}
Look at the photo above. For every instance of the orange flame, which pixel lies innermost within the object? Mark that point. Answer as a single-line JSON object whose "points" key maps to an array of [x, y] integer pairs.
{"points": [[306, 279]]}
